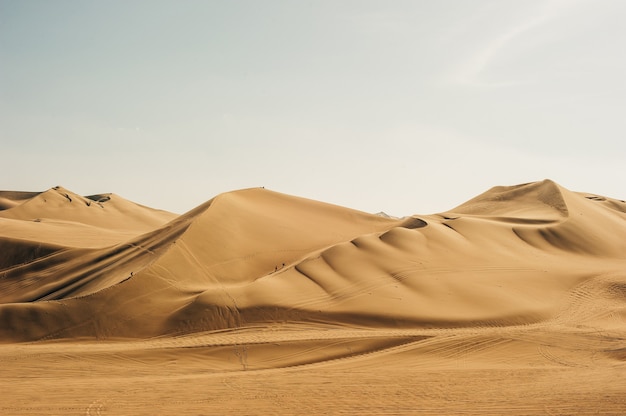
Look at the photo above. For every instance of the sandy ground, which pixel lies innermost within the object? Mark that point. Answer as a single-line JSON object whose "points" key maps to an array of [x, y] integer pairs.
{"points": [[526, 370], [258, 302]]}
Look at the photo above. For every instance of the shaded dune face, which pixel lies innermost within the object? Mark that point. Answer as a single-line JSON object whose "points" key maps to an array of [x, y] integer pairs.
{"points": [[102, 267]]}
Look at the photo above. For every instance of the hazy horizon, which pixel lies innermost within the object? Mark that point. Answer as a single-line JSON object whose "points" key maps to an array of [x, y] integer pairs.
{"points": [[404, 107]]}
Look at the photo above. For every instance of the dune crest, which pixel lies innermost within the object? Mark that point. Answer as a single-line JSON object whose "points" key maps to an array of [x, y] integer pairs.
{"points": [[537, 200]]}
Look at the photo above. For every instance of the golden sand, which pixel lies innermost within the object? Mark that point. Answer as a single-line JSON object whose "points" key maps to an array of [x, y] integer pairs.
{"points": [[258, 302]]}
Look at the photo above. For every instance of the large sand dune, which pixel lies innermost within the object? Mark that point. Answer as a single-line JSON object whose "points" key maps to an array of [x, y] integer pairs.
{"points": [[514, 302]]}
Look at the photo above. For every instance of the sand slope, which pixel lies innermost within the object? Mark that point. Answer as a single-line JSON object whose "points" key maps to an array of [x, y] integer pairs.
{"points": [[509, 256], [525, 278]]}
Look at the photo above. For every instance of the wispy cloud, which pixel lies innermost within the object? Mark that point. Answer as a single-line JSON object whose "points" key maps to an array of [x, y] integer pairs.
{"points": [[469, 72]]}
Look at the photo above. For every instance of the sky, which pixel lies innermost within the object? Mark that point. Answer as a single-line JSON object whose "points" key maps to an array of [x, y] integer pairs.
{"points": [[407, 107]]}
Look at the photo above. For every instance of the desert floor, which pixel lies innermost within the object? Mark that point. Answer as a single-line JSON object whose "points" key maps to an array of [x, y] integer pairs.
{"points": [[534, 369]]}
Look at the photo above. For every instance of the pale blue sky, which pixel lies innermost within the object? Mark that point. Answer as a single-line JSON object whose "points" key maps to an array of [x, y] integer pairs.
{"points": [[410, 107]]}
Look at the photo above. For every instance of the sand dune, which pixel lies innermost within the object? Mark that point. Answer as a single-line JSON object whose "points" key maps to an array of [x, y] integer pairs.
{"points": [[58, 216], [521, 278]]}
